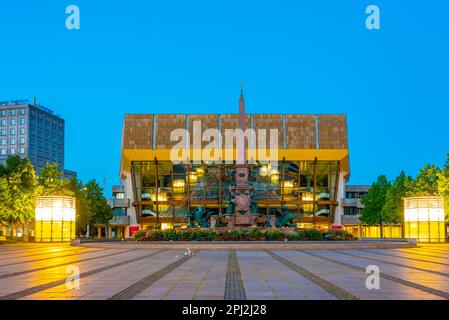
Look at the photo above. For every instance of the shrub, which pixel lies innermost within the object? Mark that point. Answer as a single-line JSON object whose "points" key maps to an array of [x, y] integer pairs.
{"points": [[273, 235], [139, 235], [312, 234], [255, 234], [338, 235], [252, 234]]}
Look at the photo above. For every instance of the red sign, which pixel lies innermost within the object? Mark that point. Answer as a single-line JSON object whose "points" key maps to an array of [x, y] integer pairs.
{"points": [[133, 230], [336, 227]]}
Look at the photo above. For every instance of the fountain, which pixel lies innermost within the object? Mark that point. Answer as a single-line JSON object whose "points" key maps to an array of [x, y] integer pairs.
{"points": [[241, 204]]}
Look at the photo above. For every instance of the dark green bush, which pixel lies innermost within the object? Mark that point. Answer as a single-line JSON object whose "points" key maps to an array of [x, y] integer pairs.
{"points": [[273, 235], [252, 234], [312, 234]]}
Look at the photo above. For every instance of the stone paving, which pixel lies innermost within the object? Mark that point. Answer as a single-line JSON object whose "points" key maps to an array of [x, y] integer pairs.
{"points": [[132, 272]]}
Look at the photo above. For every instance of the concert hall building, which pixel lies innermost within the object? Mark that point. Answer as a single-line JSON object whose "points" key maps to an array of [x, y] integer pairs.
{"points": [[309, 179]]}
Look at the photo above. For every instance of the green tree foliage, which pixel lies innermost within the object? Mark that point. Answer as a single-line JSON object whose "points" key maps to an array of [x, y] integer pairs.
{"points": [[443, 186], [51, 182], [426, 182], [100, 211], [83, 212], [393, 209], [18, 187], [374, 201]]}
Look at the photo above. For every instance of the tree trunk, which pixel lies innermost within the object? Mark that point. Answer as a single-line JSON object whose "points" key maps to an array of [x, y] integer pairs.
{"points": [[381, 231], [12, 227]]}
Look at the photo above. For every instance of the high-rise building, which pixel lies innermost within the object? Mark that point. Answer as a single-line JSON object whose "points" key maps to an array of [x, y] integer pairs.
{"points": [[31, 131]]}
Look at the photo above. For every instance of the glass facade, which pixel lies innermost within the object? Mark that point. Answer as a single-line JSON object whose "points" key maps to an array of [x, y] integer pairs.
{"points": [[164, 192]]}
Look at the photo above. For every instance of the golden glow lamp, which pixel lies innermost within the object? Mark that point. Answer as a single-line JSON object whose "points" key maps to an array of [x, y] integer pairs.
{"points": [[55, 219], [179, 186], [308, 196], [424, 219], [193, 177], [287, 187]]}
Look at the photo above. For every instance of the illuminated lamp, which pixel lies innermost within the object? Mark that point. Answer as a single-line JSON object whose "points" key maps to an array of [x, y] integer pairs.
{"points": [[193, 177], [424, 219], [179, 186], [166, 226], [200, 172], [287, 187], [55, 219], [161, 197], [274, 176], [263, 171], [308, 196]]}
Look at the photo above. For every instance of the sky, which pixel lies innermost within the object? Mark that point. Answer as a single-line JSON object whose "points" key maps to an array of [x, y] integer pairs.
{"points": [[191, 56]]}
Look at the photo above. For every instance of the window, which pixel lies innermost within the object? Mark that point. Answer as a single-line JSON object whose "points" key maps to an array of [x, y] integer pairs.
{"points": [[12, 122], [351, 211], [3, 132], [12, 151], [12, 141], [22, 150], [12, 132], [22, 131], [120, 195], [22, 111], [22, 140], [22, 121], [3, 123], [351, 195], [2, 142], [3, 113], [12, 112], [2, 152]]}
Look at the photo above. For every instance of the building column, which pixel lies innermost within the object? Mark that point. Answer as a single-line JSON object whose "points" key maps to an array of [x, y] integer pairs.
{"points": [[339, 211], [99, 232]]}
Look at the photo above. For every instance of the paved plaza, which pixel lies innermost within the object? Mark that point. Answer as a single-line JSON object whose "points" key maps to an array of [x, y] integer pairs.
{"points": [[129, 272]]}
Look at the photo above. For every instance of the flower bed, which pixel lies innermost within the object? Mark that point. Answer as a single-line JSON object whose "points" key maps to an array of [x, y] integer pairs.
{"points": [[252, 234]]}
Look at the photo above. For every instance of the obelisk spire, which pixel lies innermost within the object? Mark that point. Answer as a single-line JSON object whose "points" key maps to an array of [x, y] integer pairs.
{"points": [[242, 122], [241, 156]]}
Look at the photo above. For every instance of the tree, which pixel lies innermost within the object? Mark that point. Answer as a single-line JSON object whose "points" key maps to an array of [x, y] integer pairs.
{"points": [[374, 201], [443, 186], [100, 211], [426, 182], [51, 182], [393, 209], [5, 200], [83, 213], [19, 191]]}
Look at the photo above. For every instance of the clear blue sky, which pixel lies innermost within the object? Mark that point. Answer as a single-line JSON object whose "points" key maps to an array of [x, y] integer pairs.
{"points": [[190, 57]]}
